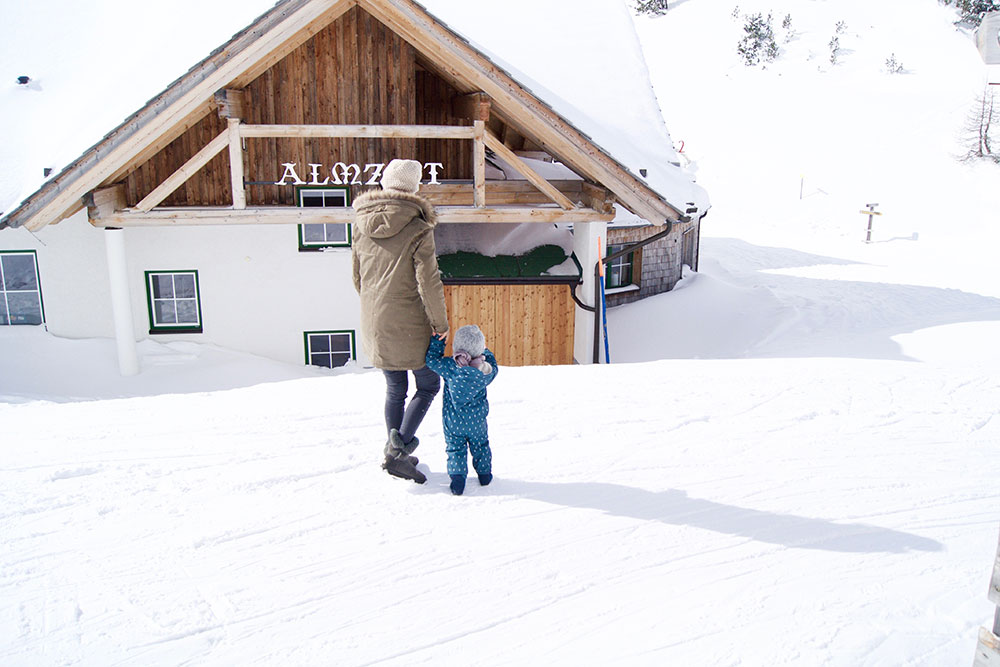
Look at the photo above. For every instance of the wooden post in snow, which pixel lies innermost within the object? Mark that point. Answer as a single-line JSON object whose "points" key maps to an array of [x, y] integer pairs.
{"points": [[871, 213], [988, 649]]}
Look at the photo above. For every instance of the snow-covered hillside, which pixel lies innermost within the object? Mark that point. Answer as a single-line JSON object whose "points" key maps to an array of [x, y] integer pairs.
{"points": [[792, 460]]}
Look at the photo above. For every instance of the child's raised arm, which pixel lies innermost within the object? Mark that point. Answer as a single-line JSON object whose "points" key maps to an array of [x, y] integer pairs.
{"points": [[435, 359], [492, 361]]}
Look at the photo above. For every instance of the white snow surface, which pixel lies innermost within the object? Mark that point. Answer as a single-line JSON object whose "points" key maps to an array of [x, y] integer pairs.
{"points": [[792, 459]]}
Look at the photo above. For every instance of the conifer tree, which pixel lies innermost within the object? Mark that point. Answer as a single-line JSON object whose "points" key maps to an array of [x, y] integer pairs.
{"points": [[654, 7], [758, 43]]}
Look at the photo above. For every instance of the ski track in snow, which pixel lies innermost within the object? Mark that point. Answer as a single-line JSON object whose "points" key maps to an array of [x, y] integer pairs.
{"points": [[808, 478], [245, 545]]}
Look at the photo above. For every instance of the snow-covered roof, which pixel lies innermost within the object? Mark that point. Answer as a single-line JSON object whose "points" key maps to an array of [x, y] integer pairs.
{"points": [[90, 65], [80, 86], [582, 57]]}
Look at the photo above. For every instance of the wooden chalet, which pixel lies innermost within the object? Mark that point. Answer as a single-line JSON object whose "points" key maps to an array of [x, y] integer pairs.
{"points": [[280, 129]]}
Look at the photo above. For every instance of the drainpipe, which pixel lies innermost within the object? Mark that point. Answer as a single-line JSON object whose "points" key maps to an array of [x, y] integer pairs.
{"points": [[597, 281], [121, 301]]}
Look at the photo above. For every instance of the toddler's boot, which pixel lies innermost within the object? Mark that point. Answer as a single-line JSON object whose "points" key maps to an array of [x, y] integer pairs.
{"points": [[457, 484], [485, 478]]}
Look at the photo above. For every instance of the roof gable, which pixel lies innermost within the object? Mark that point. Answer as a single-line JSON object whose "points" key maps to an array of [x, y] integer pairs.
{"points": [[275, 34]]}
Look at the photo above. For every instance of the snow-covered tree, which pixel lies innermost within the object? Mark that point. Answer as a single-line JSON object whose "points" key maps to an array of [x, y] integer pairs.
{"points": [[893, 66], [979, 129], [974, 10], [654, 7], [758, 43]]}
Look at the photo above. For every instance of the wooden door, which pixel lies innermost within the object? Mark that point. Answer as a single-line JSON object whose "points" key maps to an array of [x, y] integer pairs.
{"points": [[524, 325]]}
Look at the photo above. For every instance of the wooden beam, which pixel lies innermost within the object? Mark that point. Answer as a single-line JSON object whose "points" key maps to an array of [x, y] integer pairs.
{"points": [[190, 97], [187, 170], [538, 121], [231, 103], [336, 9], [479, 165], [498, 193], [106, 202], [508, 156], [360, 131], [285, 215], [236, 163], [598, 198], [474, 106]]}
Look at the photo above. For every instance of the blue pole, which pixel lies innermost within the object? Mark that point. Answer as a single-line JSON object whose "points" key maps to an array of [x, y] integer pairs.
{"points": [[604, 317]]}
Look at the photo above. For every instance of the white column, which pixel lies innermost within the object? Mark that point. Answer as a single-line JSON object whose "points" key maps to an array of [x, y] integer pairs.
{"points": [[121, 301], [585, 241]]}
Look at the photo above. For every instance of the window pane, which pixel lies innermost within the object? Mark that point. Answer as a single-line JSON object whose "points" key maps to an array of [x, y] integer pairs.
{"points": [[187, 311], [3, 312], [339, 359], [336, 233], [311, 198], [19, 272], [319, 343], [313, 233], [164, 313], [321, 360], [335, 198], [163, 286], [341, 343], [184, 286], [614, 277], [24, 308]]}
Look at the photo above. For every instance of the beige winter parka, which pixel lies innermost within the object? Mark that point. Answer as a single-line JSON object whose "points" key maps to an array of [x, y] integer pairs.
{"points": [[396, 275]]}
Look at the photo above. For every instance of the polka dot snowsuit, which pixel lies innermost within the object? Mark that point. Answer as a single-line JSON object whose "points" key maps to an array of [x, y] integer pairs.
{"points": [[465, 410]]}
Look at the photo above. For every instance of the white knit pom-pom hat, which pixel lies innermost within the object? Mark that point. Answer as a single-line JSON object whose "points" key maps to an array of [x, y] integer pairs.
{"points": [[402, 175], [469, 339]]}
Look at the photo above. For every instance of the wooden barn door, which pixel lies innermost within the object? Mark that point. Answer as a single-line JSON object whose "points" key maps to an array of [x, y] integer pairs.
{"points": [[525, 325]]}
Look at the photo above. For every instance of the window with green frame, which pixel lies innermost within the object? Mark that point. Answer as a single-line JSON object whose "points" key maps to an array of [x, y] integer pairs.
{"points": [[329, 349], [619, 271], [331, 235], [20, 288], [174, 302]]}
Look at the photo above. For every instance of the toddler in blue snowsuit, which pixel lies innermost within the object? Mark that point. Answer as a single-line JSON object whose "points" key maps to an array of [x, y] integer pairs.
{"points": [[466, 375]]}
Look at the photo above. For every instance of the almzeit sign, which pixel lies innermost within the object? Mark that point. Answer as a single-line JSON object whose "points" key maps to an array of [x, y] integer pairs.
{"points": [[346, 174]]}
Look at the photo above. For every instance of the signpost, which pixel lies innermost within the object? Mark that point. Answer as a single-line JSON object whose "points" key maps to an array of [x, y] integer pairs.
{"points": [[988, 650], [871, 213]]}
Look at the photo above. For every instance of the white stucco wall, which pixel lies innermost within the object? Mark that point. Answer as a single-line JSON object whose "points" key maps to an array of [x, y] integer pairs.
{"points": [[73, 271], [258, 292]]}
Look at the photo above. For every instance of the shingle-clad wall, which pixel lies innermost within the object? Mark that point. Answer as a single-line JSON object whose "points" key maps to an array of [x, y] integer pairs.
{"points": [[659, 265]]}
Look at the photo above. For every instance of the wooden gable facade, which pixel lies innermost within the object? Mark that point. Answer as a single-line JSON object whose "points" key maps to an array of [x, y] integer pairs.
{"points": [[325, 92]]}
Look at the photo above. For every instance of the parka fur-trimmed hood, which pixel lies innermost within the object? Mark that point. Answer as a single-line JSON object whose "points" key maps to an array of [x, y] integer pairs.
{"points": [[384, 213]]}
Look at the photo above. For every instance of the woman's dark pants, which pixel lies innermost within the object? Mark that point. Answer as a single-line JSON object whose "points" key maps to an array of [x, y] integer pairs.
{"points": [[404, 417]]}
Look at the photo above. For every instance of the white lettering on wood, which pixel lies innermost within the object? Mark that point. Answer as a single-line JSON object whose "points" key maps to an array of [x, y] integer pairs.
{"points": [[314, 174], [376, 175], [348, 174], [433, 168], [290, 173]]}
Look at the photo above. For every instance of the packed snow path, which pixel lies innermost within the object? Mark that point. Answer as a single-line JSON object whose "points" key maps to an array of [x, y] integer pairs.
{"points": [[755, 512]]}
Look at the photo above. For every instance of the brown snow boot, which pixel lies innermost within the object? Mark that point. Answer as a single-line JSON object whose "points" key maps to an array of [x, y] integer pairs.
{"points": [[398, 461]]}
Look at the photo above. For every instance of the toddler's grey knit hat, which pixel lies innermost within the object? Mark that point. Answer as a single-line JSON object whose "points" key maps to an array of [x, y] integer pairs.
{"points": [[402, 175], [469, 339]]}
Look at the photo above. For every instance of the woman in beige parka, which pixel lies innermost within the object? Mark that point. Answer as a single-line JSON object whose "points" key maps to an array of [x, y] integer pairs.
{"points": [[402, 302]]}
